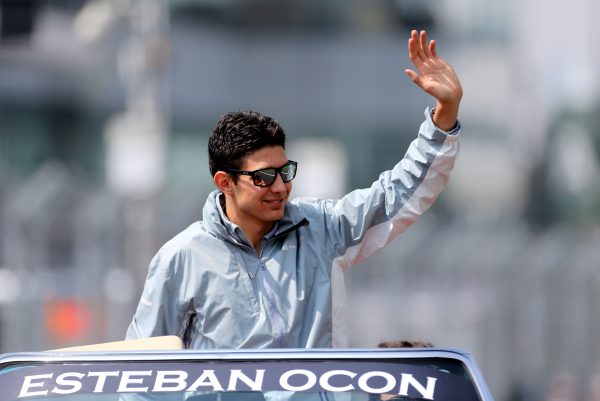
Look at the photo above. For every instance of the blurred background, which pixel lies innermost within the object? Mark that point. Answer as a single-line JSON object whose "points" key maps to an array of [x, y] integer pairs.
{"points": [[105, 109]]}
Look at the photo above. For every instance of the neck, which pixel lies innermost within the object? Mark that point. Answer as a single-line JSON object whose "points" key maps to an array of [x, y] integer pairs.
{"points": [[255, 236], [255, 231]]}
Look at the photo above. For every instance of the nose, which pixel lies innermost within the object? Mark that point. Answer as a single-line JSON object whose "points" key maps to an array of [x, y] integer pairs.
{"points": [[278, 185]]}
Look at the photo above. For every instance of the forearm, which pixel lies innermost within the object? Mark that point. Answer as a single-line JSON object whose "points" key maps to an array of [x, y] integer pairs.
{"points": [[369, 218], [445, 116]]}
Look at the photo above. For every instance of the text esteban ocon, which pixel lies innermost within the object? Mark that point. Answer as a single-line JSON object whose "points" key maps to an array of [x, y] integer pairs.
{"points": [[160, 381]]}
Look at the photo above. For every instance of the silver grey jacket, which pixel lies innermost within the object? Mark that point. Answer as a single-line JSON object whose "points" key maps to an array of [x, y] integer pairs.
{"points": [[210, 287]]}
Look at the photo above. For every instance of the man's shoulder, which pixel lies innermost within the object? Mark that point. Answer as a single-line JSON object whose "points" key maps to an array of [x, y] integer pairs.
{"points": [[304, 207], [189, 238], [189, 248], [310, 208]]}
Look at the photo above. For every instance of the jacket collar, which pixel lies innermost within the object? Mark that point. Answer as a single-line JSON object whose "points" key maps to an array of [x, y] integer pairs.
{"points": [[218, 224]]}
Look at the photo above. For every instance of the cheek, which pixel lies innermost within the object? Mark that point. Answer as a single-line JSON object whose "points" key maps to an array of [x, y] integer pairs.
{"points": [[249, 193], [258, 193]]}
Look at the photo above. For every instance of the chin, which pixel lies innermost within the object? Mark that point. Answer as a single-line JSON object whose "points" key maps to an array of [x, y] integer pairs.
{"points": [[275, 215]]}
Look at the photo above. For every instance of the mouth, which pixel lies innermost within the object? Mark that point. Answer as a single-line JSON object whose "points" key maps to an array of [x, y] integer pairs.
{"points": [[275, 201], [275, 204]]}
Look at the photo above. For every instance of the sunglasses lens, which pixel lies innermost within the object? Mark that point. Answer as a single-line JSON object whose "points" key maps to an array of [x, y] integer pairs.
{"points": [[264, 178], [288, 172]]}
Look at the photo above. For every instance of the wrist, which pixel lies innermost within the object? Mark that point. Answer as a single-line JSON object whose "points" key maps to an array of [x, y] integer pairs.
{"points": [[445, 116]]}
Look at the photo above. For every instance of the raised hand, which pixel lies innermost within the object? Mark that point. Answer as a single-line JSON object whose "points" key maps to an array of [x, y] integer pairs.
{"points": [[436, 77]]}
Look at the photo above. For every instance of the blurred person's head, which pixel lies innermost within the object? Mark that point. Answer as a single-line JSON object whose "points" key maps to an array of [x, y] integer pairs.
{"points": [[400, 344], [404, 344]]}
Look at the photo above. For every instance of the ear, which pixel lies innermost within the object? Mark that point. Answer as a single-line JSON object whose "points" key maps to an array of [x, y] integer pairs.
{"points": [[223, 181]]}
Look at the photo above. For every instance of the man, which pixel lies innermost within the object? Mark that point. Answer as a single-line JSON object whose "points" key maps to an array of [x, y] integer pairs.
{"points": [[257, 271]]}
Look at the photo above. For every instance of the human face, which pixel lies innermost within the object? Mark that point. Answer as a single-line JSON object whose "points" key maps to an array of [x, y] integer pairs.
{"points": [[257, 208]]}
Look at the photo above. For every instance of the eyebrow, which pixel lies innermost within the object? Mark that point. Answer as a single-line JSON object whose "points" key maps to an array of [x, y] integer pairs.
{"points": [[263, 168]]}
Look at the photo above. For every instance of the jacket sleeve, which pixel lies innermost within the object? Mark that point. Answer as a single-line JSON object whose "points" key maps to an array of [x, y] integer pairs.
{"points": [[365, 220], [160, 311]]}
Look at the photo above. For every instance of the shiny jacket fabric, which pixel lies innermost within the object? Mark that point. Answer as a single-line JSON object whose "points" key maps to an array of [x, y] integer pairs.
{"points": [[210, 287]]}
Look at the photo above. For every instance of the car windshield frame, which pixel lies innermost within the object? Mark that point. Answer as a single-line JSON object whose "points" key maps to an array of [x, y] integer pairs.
{"points": [[411, 359]]}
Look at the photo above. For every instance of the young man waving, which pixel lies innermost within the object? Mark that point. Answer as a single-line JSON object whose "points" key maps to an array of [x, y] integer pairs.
{"points": [[258, 270]]}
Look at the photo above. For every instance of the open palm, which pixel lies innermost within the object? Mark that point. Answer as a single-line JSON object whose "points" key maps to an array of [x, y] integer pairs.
{"points": [[435, 76]]}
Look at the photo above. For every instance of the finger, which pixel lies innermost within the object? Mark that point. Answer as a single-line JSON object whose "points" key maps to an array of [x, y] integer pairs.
{"points": [[414, 76], [414, 52], [433, 48], [414, 35], [424, 46], [413, 43]]}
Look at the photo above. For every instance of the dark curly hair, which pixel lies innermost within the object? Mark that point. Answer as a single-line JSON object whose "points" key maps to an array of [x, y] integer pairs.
{"points": [[238, 134]]}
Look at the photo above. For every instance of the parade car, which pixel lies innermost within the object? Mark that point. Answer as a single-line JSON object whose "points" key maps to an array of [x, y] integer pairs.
{"points": [[104, 373]]}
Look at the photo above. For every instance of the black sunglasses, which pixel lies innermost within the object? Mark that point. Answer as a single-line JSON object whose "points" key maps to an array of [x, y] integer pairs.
{"points": [[265, 177]]}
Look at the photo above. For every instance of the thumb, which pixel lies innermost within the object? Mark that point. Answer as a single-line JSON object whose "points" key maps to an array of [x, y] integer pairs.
{"points": [[414, 76]]}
